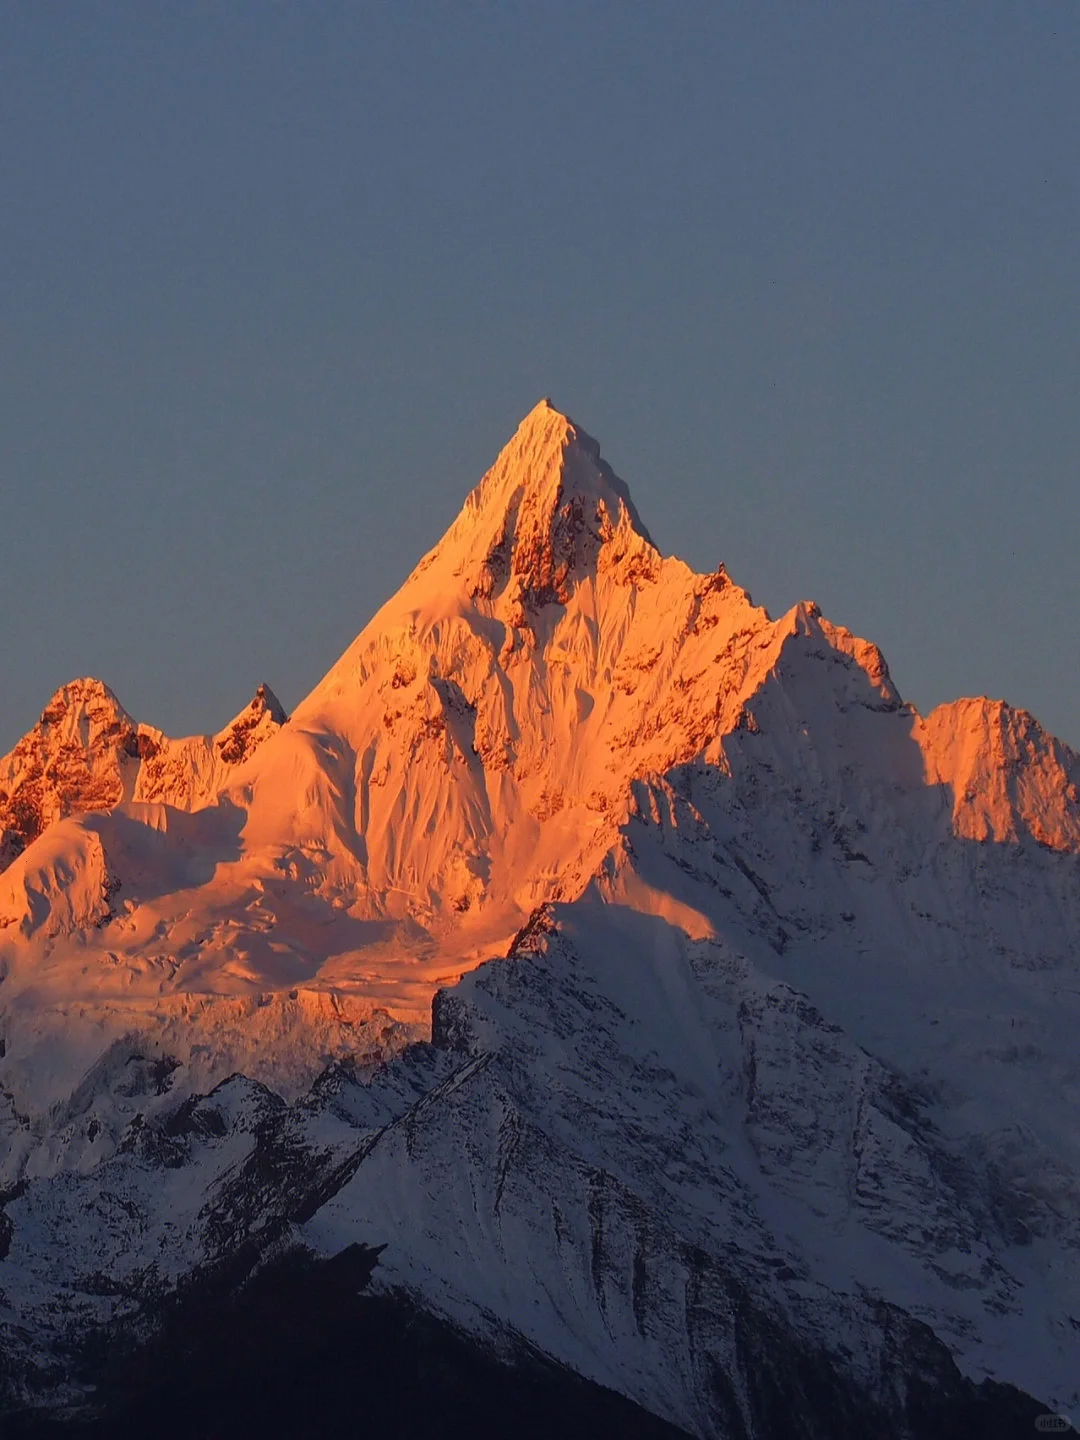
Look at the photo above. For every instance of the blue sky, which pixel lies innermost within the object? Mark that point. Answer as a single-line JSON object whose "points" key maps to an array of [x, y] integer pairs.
{"points": [[278, 281]]}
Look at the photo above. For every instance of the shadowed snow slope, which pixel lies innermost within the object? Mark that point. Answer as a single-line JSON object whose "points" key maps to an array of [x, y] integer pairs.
{"points": [[790, 1011]]}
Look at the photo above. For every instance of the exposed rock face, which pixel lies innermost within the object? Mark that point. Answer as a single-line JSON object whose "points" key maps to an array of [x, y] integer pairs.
{"points": [[1009, 779], [83, 754], [239, 741], [86, 753], [777, 1058]]}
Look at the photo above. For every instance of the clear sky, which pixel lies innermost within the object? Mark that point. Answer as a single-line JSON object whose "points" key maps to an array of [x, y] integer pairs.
{"points": [[279, 280]]}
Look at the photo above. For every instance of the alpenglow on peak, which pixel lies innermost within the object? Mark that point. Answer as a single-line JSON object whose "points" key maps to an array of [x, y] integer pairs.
{"points": [[541, 513], [750, 999]]}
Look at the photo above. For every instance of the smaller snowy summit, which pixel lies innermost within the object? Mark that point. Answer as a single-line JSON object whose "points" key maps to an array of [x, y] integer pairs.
{"points": [[86, 754]]}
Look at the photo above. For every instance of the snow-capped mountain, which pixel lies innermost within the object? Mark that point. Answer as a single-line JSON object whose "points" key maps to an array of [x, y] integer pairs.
{"points": [[699, 1018]]}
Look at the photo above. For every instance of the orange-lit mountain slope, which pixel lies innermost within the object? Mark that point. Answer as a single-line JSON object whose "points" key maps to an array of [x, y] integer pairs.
{"points": [[478, 750]]}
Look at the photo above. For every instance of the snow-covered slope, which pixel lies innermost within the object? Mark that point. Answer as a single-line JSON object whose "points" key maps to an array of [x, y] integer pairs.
{"points": [[787, 1023]]}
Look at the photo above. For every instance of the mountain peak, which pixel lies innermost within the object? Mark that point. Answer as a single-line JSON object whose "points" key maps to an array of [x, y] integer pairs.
{"points": [[549, 452], [73, 759], [544, 416], [85, 695], [264, 701], [541, 514], [255, 723]]}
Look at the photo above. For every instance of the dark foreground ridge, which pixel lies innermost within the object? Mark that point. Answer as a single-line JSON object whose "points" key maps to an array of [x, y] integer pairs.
{"points": [[301, 1349]]}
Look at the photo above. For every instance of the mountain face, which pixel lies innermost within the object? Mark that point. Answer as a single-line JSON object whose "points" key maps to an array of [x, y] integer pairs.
{"points": [[650, 992]]}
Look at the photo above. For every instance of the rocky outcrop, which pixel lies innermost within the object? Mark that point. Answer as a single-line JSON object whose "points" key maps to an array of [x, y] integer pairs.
{"points": [[83, 754], [87, 754]]}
